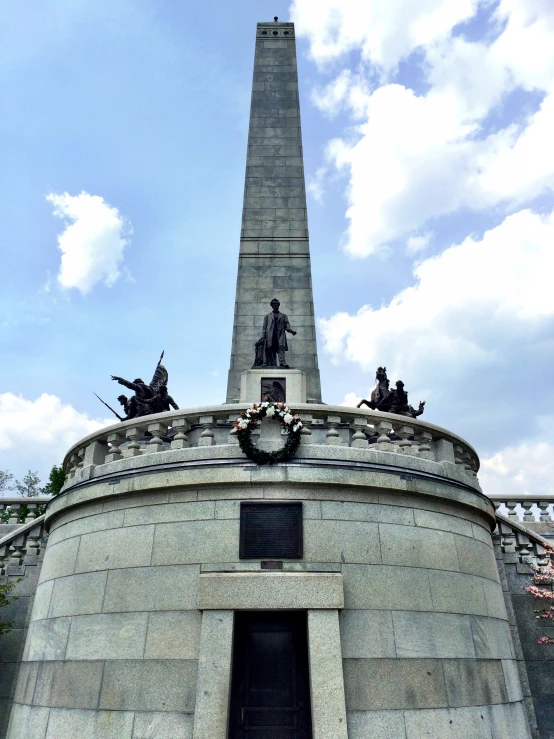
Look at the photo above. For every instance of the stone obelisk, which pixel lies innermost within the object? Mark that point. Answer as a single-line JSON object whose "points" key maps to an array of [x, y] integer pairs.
{"points": [[274, 258]]}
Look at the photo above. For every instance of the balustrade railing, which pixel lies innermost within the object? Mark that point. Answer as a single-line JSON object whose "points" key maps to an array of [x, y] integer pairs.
{"points": [[22, 546], [526, 508], [335, 426], [18, 510]]}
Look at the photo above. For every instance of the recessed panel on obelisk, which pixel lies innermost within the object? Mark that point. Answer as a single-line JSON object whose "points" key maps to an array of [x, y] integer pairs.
{"points": [[274, 258]]}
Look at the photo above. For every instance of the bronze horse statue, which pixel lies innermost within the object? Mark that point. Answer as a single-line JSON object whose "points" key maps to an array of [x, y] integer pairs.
{"points": [[380, 391], [390, 401]]}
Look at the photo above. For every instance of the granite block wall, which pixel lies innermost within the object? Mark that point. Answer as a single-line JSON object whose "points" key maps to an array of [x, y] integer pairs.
{"points": [[538, 659], [115, 631], [18, 612]]}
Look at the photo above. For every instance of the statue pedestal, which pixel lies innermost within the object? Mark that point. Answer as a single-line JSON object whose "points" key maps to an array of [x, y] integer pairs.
{"points": [[275, 382]]}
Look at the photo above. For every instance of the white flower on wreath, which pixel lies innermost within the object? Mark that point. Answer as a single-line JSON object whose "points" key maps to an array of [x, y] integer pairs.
{"points": [[270, 411], [297, 426], [287, 418], [243, 423]]}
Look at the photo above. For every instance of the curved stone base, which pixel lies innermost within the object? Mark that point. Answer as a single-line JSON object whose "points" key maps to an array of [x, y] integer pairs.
{"points": [[132, 622]]}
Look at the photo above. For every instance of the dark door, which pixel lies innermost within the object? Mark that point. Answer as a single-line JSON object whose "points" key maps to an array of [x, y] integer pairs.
{"points": [[270, 694]]}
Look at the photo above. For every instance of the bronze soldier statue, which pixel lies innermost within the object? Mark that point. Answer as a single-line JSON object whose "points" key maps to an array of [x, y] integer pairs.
{"points": [[390, 401], [129, 406], [161, 402], [143, 392], [399, 402], [148, 399]]}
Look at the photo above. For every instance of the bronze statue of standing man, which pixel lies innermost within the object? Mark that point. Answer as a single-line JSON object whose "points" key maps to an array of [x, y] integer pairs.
{"points": [[274, 336]]}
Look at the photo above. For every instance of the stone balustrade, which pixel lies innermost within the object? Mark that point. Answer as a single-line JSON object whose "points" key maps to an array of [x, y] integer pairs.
{"points": [[17, 509], [211, 428], [519, 543], [22, 546], [529, 509]]}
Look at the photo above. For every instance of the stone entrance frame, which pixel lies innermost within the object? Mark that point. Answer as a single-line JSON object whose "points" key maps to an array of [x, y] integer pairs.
{"points": [[221, 594]]}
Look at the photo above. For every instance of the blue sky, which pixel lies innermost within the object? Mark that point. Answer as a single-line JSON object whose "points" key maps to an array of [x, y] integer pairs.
{"points": [[430, 170]]}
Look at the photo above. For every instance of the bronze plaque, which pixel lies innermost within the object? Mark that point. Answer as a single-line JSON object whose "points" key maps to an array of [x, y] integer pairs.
{"points": [[271, 530], [275, 389]]}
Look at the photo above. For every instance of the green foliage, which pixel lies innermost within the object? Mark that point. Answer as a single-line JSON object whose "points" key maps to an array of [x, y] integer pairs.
{"points": [[55, 481], [5, 589], [5, 478], [22, 513], [29, 487]]}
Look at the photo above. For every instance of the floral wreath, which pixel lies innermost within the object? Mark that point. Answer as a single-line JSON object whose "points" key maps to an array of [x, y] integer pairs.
{"points": [[248, 420]]}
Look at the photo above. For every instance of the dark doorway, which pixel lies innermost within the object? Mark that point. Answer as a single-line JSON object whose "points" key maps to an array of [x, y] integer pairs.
{"points": [[270, 693]]}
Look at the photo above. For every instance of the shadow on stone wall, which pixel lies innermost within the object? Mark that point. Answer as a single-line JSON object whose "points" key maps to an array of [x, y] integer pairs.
{"points": [[12, 644]]}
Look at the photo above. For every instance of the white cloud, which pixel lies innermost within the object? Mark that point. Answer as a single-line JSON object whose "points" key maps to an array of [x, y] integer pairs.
{"points": [[419, 156], [384, 30], [351, 400], [36, 434], [92, 242], [419, 243], [524, 469], [466, 308]]}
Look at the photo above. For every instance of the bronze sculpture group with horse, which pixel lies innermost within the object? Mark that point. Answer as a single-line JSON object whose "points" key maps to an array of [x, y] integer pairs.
{"points": [[388, 400]]}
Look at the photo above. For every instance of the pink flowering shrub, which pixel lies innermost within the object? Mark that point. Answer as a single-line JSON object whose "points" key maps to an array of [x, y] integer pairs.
{"points": [[543, 589]]}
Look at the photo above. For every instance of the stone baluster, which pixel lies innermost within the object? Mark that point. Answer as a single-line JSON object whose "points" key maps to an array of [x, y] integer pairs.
{"points": [[72, 466], [511, 506], [404, 432], [508, 542], [466, 460], [332, 437], [32, 513], [157, 430], [384, 442], [207, 435], [543, 559], [359, 439], [17, 551], [134, 434], [14, 512], [180, 440], [424, 439], [525, 547], [115, 440], [458, 454], [306, 432], [543, 506], [80, 461], [33, 542], [3, 507], [3, 555], [528, 515]]}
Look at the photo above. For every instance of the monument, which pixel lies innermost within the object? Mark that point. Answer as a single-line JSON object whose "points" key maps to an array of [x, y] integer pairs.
{"points": [[392, 401], [342, 585]]}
